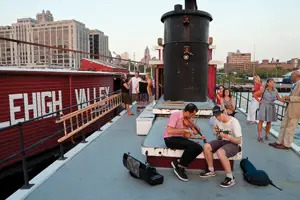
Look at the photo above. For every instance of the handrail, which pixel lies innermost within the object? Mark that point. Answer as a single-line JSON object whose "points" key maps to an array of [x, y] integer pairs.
{"points": [[92, 113], [24, 149], [66, 49], [239, 98]]}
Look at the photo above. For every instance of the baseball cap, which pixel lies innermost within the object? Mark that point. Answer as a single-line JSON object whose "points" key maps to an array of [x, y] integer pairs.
{"points": [[217, 111]]}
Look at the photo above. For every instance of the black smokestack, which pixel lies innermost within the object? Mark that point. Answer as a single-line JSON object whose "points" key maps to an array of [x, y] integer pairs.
{"points": [[186, 53], [191, 5]]}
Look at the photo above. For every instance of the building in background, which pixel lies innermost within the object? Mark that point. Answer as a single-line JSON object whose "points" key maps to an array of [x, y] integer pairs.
{"points": [[239, 62], [124, 56], [147, 56], [69, 34], [99, 45]]}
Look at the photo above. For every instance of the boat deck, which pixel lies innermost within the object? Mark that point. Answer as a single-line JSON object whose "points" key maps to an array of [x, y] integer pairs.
{"points": [[97, 172]]}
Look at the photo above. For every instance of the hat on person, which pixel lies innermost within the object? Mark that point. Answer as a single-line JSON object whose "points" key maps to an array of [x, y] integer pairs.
{"points": [[217, 111]]}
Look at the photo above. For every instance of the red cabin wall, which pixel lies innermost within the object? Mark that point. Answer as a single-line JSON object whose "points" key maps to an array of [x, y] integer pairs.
{"points": [[18, 83]]}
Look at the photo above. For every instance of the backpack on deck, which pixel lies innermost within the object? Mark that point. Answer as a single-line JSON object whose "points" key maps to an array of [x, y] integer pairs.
{"points": [[139, 170], [254, 176]]}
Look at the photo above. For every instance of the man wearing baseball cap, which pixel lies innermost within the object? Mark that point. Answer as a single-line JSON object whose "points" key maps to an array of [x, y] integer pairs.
{"points": [[229, 132]]}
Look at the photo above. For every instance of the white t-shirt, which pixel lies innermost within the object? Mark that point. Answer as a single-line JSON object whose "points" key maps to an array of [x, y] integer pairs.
{"points": [[135, 82], [233, 126]]}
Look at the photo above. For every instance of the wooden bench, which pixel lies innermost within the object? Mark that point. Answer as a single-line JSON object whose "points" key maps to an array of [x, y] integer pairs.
{"points": [[158, 155]]}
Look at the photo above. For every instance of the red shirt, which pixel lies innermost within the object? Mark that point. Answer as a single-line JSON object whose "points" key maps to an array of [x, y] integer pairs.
{"points": [[256, 88], [220, 94]]}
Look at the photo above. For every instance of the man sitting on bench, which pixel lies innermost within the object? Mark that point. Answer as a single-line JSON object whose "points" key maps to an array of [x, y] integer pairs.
{"points": [[176, 136], [229, 134]]}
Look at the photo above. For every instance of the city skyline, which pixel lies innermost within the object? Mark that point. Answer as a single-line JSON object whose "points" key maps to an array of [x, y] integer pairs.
{"points": [[270, 27]]}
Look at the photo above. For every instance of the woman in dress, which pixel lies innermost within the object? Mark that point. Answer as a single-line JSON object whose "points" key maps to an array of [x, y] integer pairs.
{"points": [[254, 103], [228, 100], [219, 95], [266, 111]]}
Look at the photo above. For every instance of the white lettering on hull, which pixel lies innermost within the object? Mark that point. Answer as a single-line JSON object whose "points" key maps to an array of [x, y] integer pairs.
{"points": [[83, 95], [42, 103]]}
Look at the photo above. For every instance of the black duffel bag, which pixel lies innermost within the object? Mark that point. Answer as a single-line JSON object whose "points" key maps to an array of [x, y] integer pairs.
{"points": [[139, 170], [254, 176]]}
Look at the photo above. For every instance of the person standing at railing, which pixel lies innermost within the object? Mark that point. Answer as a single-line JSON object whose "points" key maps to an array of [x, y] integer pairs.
{"points": [[291, 116], [126, 98], [134, 82], [149, 87], [142, 88], [219, 95], [254, 103], [228, 100], [267, 111]]}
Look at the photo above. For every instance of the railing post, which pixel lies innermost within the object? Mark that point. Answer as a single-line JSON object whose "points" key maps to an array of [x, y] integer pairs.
{"points": [[236, 98], [61, 150], [24, 162], [240, 99], [83, 139], [282, 110], [247, 102], [61, 147]]}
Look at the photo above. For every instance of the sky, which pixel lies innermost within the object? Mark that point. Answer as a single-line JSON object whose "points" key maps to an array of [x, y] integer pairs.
{"points": [[267, 28]]}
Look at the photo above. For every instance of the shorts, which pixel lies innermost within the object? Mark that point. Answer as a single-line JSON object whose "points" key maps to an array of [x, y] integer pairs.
{"points": [[229, 148], [126, 98]]}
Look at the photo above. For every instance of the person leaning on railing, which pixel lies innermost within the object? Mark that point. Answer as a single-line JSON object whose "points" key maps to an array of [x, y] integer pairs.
{"points": [[291, 116], [126, 98], [254, 103], [267, 111], [149, 87], [219, 95], [228, 100]]}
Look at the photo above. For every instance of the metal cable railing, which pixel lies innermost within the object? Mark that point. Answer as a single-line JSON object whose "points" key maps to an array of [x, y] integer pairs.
{"points": [[60, 130], [239, 97]]}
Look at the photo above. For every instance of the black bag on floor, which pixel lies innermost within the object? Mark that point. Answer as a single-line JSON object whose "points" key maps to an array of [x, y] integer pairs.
{"points": [[254, 176], [139, 170]]}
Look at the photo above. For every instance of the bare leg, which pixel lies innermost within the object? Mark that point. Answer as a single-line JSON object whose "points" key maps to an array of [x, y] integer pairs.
{"points": [[268, 127], [208, 155], [128, 110], [224, 161], [259, 128]]}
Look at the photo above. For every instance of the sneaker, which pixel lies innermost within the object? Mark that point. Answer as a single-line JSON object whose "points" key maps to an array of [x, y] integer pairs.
{"points": [[228, 182], [179, 171], [207, 173], [266, 138], [174, 163]]}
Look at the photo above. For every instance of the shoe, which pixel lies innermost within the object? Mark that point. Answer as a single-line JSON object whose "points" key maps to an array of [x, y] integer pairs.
{"points": [[207, 173], [260, 140], [281, 146], [179, 171], [266, 138], [174, 163], [273, 144], [228, 182]]}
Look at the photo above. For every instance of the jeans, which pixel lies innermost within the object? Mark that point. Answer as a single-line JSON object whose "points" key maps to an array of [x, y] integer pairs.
{"points": [[191, 149]]}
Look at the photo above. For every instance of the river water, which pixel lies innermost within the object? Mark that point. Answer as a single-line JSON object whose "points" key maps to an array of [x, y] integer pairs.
{"points": [[275, 125]]}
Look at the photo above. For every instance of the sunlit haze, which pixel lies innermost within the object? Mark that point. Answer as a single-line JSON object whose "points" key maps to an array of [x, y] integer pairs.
{"points": [[271, 28]]}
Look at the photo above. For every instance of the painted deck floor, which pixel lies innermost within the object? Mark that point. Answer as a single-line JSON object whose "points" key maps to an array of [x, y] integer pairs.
{"points": [[97, 172]]}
